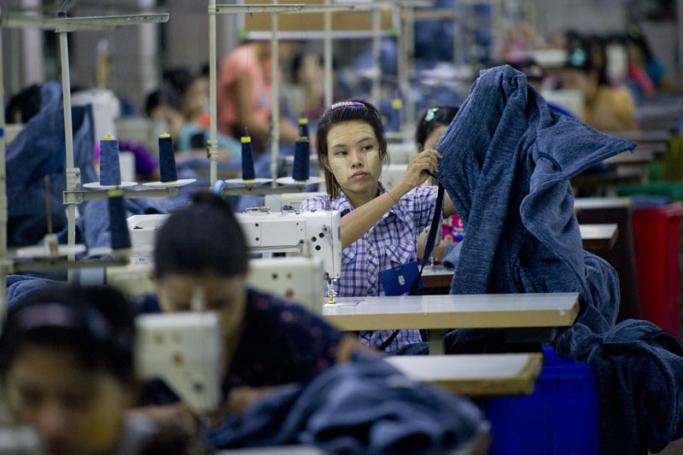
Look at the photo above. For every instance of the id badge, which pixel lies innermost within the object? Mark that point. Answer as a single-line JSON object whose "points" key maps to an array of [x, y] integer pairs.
{"points": [[399, 278]]}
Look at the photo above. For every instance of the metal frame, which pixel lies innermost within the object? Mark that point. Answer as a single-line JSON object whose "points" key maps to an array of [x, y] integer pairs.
{"points": [[275, 10], [73, 194]]}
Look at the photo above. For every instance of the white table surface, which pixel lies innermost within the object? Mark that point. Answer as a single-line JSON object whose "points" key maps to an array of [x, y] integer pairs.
{"points": [[453, 311], [474, 374]]}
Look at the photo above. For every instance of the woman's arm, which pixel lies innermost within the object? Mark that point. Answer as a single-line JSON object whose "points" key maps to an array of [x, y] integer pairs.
{"points": [[350, 344], [448, 207], [361, 219]]}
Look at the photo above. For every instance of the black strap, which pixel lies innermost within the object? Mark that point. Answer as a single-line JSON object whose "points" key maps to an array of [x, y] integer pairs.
{"points": [[431, 237], [429, 246]]}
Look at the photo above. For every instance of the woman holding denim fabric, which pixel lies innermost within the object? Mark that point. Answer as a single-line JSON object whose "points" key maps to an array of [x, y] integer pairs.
{"points": [[379, 227]]}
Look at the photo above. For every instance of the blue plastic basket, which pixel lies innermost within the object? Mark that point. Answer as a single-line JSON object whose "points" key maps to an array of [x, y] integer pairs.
{"points": [[560, 417]]}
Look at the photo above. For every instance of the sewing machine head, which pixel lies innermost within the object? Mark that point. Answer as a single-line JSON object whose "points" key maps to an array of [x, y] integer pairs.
{"points": [[311, 234], [288, 201], [186, 350], [19, 440]]}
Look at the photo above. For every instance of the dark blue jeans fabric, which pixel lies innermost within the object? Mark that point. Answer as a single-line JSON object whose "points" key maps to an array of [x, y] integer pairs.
{"points": [[39, 151], [507, 164], [363, 407]]}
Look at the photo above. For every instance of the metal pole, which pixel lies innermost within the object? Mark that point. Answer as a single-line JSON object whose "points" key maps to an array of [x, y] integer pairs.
{"points": [[376, 69], [328, 57], [402, 61], [458, 38], [212, 143], [3, 196], [679, 13], [405, 73], [275, 96], [73, 177]]}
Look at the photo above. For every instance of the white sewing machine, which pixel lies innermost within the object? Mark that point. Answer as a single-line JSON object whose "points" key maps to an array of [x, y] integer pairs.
{"points": [[311, 234], [288, 201], [300, 279], [19, 440], [186, 350]]}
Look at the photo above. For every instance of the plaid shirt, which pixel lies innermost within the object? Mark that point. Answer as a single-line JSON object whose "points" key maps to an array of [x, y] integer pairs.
{"points": [[392, 240]]}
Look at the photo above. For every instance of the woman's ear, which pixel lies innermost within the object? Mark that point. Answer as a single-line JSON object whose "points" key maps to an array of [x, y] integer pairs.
{"points": [[386, 159], [325, 162]]}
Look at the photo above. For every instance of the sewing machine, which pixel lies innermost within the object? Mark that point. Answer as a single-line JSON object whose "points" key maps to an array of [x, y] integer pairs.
{"points": [[300, 279], [311, 234], [19, 440], [288, 201], [186, 350]]}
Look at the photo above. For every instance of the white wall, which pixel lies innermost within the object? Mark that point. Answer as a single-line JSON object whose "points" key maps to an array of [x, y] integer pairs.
{"points": [[594, 16]]}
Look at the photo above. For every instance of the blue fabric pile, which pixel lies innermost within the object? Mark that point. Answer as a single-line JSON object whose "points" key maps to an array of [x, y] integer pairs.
{"points": [[39, 151], [365, 406], [508, 160]]}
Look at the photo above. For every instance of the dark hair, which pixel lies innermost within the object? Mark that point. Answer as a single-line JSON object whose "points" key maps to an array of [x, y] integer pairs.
{"points": [[531, 69], [202, 237], [164, 96], [174, 83], [598, 48], [431, 120], [179, 79], [298, 61], [635, 36], [347, 111], [24, 105], [97, 323], [205, 70], [588, 54]]}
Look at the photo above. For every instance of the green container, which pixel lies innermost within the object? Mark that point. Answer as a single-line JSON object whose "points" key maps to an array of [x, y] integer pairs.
{"points": [[673, 160], [671, 190], [655, 171]]}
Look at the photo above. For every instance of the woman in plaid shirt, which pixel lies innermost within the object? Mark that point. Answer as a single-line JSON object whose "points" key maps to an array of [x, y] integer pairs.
{"points": [[379, 228]]}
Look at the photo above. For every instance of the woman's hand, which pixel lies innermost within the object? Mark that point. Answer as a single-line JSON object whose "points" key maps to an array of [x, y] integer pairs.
{"points": [[419, 168], [174, 417], [239, 400], [439, 250]]}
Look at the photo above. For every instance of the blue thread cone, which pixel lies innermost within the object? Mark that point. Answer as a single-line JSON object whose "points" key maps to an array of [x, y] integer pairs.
{"points": [[118, 226], [167, 159], [110, 169], [302, 160], [303, 127], [248, 171]]}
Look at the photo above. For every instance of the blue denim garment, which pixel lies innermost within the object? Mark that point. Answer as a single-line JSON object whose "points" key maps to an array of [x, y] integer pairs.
{"points": [[507, 163], [39, 151], [94, 222], [19, 286], [451, 255], [639, 368], [365, 406]]}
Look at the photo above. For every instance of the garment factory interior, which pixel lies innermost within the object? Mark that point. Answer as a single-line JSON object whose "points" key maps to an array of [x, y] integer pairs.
{"points": [[341, 226]]}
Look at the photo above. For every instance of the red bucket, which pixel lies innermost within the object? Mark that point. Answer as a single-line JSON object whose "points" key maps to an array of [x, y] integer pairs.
{"points": [[657, 233]]}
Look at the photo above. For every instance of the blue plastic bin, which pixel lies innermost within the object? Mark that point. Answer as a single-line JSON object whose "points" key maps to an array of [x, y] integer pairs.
{"points": [[560, 417]]}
